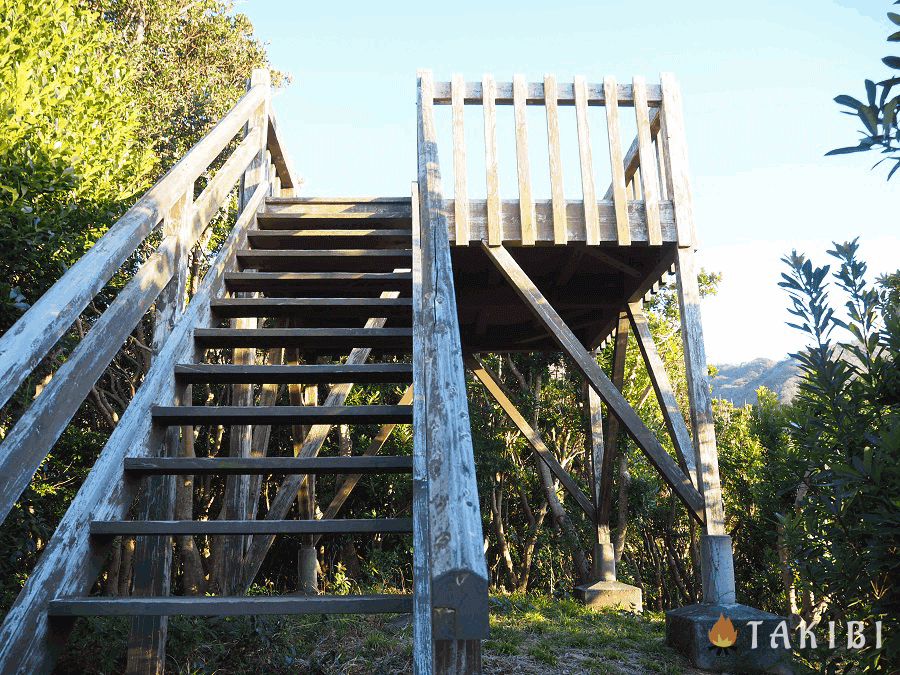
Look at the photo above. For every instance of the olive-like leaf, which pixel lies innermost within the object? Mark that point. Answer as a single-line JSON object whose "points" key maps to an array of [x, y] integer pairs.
{"points": [[894, 37], [894, 17], [892, 62], [870, 92], [843, 99], [847, 151]]}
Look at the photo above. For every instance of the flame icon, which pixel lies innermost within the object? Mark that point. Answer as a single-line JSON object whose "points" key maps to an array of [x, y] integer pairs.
{"points": [[722, 634]]}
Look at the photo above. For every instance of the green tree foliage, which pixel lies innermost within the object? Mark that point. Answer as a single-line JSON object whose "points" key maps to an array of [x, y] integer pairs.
{"points": [[68, 158], [192, 58], [879, 114], [845, 533]]}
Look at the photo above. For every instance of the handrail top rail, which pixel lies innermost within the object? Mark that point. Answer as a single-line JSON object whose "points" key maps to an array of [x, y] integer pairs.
{"points": [[474, 94]]}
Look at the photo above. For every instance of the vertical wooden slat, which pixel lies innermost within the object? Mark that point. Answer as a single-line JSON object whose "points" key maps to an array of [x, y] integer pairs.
{"points": [[675, 153], [489, 92], [649, 185], [526, 201], [460, 191], [422, 641], [591, 216], [665, 189], [610, 92], [560, 225]]}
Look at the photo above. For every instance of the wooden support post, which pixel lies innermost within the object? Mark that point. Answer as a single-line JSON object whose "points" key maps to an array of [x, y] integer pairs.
{"points": [[675, 425], [601, 490], [307, 574], [492, 383], [608, 393], [620, 351], [716, 556], [153, 554]]}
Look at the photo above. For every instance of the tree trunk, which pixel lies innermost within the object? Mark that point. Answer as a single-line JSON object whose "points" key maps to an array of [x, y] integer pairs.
{"points": [[501, 535]]}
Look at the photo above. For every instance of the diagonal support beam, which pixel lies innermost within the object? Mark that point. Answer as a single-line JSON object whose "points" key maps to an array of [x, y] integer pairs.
{"points": [[589, 367], [492, 383], [352, 479], [681, 439]]}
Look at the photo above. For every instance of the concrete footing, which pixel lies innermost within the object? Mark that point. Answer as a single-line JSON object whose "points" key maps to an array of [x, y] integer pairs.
{"points": [[688, 630], [610, 594]]}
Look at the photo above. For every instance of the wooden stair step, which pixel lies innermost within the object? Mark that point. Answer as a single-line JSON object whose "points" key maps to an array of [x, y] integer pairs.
{"points": [[230, 606], [301, 374], [349, 260], [349, 220], [230, 466], [385, 339], [332, 283], [330, 239], [282, 414], [313, 308], [115, 528]]}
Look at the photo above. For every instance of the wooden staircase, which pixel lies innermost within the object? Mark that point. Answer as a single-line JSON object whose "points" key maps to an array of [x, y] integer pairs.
{"points": [[349, 251], [356, 281]]}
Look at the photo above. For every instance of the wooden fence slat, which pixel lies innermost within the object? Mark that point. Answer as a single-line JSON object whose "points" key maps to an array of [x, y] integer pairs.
{"points": [[649, 185], [490, 162], [460, 190], [675, 154], [69, 564], [27, 342], [526, 201], [615, 157], [591, 218], [560, 235], [587, 364]]}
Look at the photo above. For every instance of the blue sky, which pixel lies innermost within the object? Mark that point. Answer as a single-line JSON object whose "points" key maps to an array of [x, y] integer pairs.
{"points": [[757, 83]]}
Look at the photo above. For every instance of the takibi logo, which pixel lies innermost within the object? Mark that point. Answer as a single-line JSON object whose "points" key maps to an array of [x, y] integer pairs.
{"points": [[722, 635]]}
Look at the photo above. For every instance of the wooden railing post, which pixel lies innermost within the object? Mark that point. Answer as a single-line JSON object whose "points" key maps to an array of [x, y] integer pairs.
{"points": [[459, 581]]}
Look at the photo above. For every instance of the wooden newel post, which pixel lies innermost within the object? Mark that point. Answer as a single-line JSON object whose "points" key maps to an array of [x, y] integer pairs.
{"points": [[717, 566], [459, 580]]}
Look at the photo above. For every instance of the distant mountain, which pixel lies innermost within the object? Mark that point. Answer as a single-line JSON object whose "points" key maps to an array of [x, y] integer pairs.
{"points": [[738, 383]]}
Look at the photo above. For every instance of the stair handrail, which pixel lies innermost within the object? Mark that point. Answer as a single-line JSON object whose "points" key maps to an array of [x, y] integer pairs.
{"points": [[459, 579], [168, 205], [71, 560]]}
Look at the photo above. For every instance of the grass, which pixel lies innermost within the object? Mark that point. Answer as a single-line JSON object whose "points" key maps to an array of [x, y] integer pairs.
{"points": [[529, 634]]}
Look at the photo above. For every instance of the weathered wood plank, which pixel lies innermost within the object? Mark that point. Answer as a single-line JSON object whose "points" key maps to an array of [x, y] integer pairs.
{"points": [[70, 562], [560, 229], [591, 217], [588, 366], [671, 412], [311, 374], [704, 434], [459, 577], [28, 341], [331, 239], [112, 528], [490, 161], [460, 190], [511, 231], [614, 134], [649, 184], [304, 338], [675, 155], [632, 157], [620, 351], [423, 662], [535, 96], [604, 567], [526, 201], [395, 308], [208, 466], [491, 383], [317, 415], [31, 439], [232, 606]]}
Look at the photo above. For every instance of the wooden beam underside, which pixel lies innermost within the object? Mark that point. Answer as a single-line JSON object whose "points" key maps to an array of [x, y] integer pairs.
{"points": [[491, 383], [587, 364]]}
